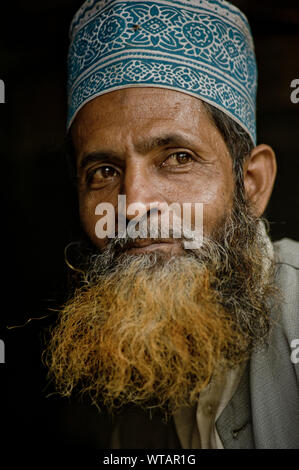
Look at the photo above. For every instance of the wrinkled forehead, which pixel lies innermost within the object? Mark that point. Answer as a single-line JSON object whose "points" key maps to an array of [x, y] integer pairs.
{"points": [[142, 120], [143, 115], [131, 106], [202, 48]]}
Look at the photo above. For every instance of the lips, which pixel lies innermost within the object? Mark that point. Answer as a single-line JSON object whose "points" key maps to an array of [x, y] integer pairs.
{"points": [[168, 246], [142, 243]]}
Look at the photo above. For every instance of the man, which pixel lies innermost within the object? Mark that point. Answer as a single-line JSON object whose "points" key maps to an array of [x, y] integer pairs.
{"points": [[162, 111]]}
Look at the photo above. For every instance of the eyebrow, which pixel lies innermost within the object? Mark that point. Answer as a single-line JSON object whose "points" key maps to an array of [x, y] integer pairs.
{"points": [[97, 157], [148, 144], [144, 146]]}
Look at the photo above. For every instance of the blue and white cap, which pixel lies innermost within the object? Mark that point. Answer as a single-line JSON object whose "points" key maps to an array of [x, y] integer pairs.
{"points": [[200, 47]]}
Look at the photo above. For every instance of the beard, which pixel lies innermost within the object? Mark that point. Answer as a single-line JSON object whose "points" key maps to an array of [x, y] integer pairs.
{"points": [[152, 330]]}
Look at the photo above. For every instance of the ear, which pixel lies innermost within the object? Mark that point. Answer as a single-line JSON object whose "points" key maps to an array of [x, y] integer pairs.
{"points": [[259, 176]]}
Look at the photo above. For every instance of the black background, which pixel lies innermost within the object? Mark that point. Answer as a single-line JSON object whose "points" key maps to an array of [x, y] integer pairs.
{"points": [[38, 203]]}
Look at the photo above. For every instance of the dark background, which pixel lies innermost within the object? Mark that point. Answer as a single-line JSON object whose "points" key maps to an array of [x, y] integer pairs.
{"points": [[38, 202]]}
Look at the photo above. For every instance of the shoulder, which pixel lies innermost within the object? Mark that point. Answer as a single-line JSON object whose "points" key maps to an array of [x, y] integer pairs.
{"points": [[287, 252], [274, 371], [287, 274], [287, 279]]}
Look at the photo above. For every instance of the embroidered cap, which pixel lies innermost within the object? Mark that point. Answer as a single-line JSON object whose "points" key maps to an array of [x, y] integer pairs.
{"points": [[200, 47]]}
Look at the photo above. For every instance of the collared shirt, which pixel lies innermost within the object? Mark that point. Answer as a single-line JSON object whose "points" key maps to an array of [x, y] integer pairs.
{"points": [[196, 426]]}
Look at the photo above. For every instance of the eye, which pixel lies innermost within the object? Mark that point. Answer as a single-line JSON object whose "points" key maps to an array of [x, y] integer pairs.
{"points": [[102, 173], [178, 159]]}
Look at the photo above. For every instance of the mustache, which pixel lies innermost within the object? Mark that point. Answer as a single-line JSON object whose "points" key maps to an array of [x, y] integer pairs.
{"points": [[155, 233]]}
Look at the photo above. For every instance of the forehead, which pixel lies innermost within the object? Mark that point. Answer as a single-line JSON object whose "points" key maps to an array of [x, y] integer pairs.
{"points": [[133, 113]]}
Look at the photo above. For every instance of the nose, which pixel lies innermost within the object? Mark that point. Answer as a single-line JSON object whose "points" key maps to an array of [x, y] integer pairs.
{"points": [[139, 189]]}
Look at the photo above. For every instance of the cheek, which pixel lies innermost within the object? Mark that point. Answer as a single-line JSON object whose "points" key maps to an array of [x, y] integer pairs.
{"points": [[217, 199], [87, 212], [87, 217]]}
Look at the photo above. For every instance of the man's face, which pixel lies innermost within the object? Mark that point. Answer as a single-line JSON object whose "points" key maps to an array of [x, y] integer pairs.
{"points": [[154, 146]]}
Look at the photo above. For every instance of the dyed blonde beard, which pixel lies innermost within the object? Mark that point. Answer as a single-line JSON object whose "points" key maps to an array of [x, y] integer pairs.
{"points": [[152, 331]]}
